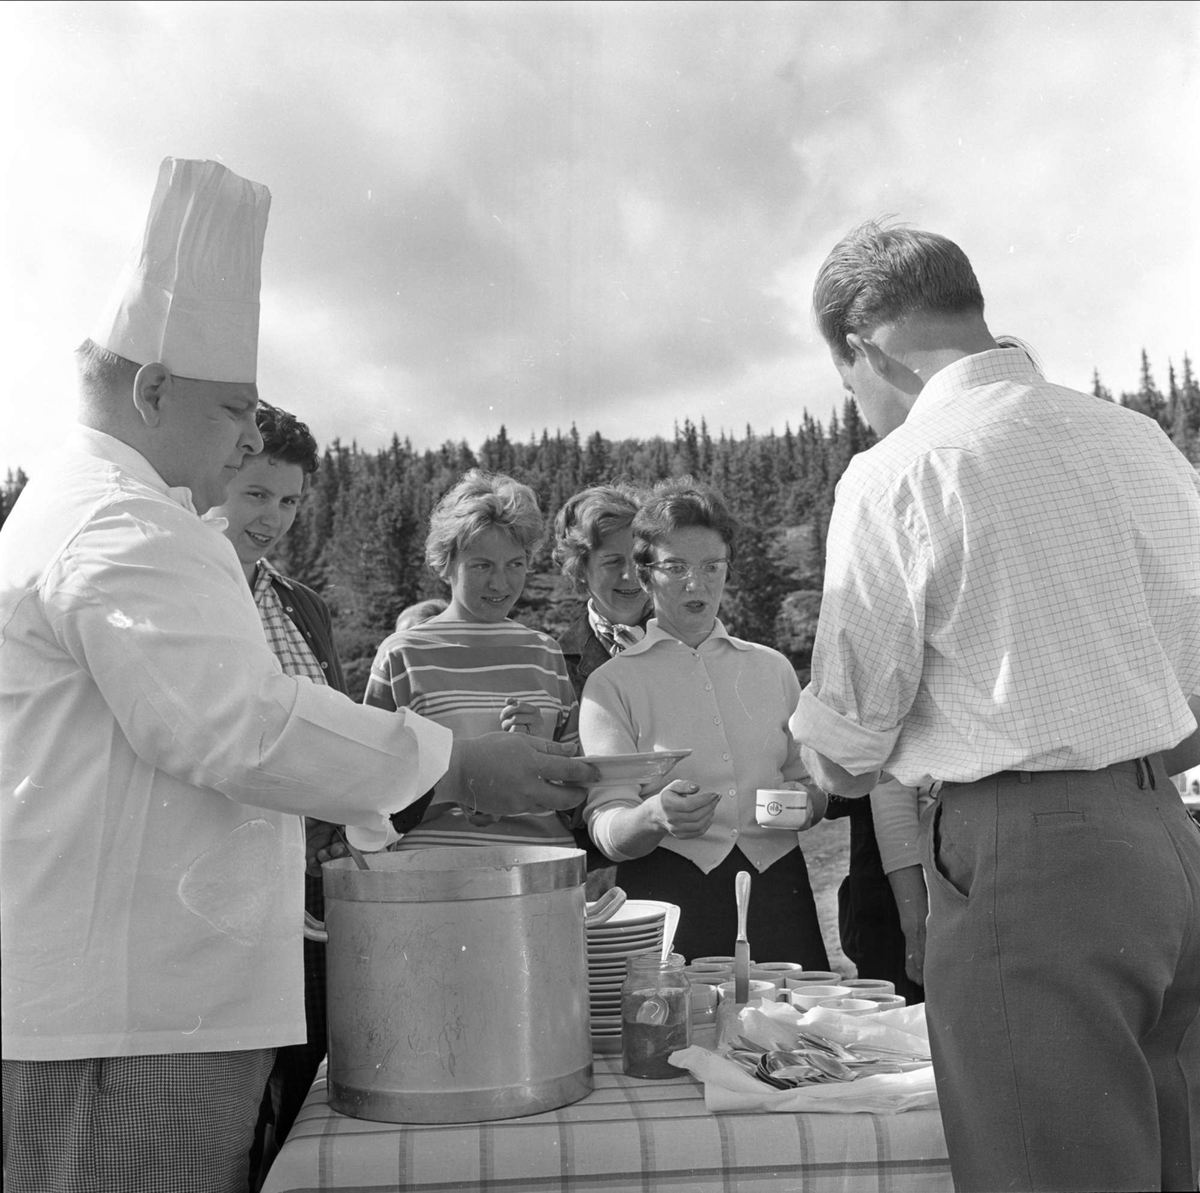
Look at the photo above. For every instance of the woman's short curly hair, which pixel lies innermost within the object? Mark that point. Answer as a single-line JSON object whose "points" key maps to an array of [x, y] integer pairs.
{"points": [[585, 520], [286, 440], [675, 505], [481, 501]]}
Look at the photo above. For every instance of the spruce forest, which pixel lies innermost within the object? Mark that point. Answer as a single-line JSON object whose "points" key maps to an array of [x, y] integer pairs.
{"points": [[359, 536]]}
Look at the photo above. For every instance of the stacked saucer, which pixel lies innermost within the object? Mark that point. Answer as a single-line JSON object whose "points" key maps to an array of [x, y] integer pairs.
{"points": [[636, 927]]}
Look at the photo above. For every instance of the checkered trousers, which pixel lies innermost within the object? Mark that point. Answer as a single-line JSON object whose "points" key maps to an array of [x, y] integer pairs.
{"points": [[133, 1124]]}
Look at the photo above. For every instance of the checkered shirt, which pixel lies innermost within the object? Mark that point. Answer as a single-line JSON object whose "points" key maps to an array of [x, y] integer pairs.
{"points": [[1012, 583], [283, 636]]}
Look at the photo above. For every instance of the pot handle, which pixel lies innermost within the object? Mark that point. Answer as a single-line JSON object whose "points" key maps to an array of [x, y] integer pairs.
{"points": [[314, 929], [604, 908]]}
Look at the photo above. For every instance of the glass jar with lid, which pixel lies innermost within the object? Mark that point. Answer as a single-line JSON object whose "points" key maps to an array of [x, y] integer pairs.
{"points": [[655, 1014]]}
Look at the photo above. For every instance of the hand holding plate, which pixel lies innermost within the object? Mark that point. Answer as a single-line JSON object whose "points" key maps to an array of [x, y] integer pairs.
{"points": [[505, 774]]}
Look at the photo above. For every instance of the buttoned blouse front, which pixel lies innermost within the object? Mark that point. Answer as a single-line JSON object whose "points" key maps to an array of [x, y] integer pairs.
{"points": [[728, 701]]}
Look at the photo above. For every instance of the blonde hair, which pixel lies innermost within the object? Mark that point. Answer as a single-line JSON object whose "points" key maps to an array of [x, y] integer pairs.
{"points": [[481, 501]]}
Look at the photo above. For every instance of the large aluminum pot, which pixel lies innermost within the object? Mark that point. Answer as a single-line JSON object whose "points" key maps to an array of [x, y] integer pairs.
{"points": [[457, 983]]}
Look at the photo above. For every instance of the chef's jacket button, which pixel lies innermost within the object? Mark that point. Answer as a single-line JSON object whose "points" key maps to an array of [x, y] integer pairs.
{"points": [[708, 687], [733, 791], [716, 720], [725, 756], [734, 833]]}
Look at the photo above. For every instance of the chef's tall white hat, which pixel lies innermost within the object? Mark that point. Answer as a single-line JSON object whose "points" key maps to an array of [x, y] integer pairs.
{"points": [[189, 296]]}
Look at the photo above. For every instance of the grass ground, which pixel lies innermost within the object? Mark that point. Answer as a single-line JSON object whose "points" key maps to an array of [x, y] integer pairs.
{"points": [[827, 852]]}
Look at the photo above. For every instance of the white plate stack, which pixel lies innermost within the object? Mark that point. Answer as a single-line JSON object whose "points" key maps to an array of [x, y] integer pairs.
{"points": [[637, 927]]}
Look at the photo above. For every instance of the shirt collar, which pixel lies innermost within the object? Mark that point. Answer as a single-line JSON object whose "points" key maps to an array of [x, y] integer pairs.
{"points": [[116, 451], [655, 634], [272, 575], [982, 368]]}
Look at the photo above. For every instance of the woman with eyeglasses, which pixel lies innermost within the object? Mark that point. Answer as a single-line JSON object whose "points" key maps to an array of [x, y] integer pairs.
{"points": [[689, 685]]}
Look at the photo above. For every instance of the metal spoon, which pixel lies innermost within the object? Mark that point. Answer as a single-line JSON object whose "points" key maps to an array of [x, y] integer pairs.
{"points": [[359, 860]]}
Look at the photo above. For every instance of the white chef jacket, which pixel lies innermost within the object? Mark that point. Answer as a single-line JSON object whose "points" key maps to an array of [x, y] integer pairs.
{"points": [[152, 758]]}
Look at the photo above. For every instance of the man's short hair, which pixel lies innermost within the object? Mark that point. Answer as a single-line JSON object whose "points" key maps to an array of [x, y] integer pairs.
{"points": [[584, 521], [286, 440], [677, 505], [420, 613], [103, 373], [481, 501], [880, 274]]}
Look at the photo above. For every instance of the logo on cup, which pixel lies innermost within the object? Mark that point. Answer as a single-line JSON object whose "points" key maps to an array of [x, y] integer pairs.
{"points": [[781, 808]]}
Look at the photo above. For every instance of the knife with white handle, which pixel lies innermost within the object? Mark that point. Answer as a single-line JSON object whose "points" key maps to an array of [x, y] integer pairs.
{"points": [[741, 949]]}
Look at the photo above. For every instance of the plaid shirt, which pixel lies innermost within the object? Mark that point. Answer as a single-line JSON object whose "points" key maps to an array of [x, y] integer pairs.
{"points": [[283, 636]]}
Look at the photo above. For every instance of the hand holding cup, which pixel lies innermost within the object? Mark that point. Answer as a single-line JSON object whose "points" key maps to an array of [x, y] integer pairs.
{"points": [[517, 716], [791, 806]]}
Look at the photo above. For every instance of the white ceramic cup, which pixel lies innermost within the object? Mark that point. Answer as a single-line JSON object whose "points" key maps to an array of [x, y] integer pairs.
{"points": [[780, 808], [758, 990], [812, 977], [783, 969], [885, 1002], [851, 1006], [804, 998], [860, 986]]}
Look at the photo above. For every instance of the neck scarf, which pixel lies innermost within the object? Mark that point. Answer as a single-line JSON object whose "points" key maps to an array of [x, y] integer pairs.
{"points": [[615, 636]]}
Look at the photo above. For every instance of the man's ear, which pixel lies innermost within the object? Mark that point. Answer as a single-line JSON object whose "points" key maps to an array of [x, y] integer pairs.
{"points": [[150, 386], [866, 349]]}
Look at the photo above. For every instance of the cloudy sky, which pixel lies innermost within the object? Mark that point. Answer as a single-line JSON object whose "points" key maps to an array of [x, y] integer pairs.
{"points": [[602, 213]]}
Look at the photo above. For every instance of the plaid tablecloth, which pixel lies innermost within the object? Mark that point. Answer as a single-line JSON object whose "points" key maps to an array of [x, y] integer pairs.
{"points": [[643, 1136]]}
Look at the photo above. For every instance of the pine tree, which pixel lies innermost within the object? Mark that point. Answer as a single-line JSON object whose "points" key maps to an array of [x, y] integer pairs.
{"points": [[595, 461], [1148, 399], [13, 484], [756, 586]]}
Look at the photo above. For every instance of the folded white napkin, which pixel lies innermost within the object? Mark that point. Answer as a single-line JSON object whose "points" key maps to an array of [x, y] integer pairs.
{"points": [[727, 1086]]}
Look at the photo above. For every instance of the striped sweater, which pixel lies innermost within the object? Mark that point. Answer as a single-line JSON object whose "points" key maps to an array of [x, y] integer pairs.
{"points": [[460, 674]]}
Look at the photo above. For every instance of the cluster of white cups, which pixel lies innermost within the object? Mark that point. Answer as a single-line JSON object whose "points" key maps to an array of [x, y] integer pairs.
{"points": [[851, 996], [785, 981]]}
